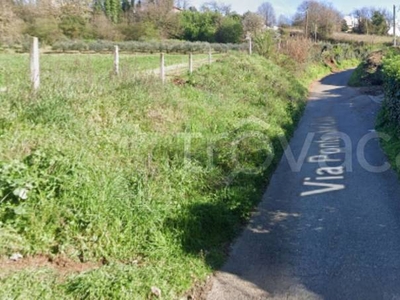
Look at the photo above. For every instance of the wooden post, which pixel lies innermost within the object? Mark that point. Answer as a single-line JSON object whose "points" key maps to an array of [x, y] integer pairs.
{"points": [[35, 68], [162, 67], [394, 26], [209, 57], [190, 63], [116, 60]]}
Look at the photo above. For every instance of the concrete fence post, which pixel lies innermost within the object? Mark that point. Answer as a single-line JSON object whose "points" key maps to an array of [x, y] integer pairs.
{"points": [[116, 60], [209, 57], [162, 67], [34, 62], [190, 63]]}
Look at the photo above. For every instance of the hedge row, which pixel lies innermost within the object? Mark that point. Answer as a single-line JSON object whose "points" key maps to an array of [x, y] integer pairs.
{"points": [[391, 71], [147, 47]]}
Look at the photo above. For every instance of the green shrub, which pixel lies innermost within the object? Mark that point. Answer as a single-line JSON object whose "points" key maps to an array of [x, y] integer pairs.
{"points": [[391, 71], [46, 29]]}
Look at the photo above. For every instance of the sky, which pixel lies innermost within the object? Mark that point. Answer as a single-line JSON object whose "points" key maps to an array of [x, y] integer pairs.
{"points": [[289, 7]]}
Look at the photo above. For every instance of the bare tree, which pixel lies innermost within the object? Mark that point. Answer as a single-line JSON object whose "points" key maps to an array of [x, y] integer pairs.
{"points": [[266, 10], [284, 21], [183, 4], [10, 24], [252, 22], [215, 6], [366, 23], [318, 18]]}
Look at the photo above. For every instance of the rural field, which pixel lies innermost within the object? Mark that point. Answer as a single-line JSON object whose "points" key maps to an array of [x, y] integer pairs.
{"points": [[113, 185], [98, 65], [362, 38]]}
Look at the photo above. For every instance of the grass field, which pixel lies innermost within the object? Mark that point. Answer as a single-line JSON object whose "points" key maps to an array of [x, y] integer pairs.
{"points": [[94, 65], [112, 185], [364, 38]]}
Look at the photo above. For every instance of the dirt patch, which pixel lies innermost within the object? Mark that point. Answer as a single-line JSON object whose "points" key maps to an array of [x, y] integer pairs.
{"points": [[61, 265], [179, 81], [331, 63], [374, 60], [372, 69]]}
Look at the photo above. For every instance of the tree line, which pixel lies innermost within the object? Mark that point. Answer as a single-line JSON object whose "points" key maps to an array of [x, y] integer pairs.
{"points": [[118, 20], [321, 19]]}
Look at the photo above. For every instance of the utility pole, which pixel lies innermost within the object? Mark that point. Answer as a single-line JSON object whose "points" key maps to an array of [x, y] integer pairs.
{"points": [[394, 26], [306, 25], [315, 32]]}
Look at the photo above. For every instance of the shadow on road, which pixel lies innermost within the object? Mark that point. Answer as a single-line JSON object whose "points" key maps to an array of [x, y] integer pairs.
{"points": [[333, 79]]}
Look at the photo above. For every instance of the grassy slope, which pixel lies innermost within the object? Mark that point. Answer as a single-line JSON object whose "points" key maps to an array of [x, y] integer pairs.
{"points": [[108, 179]]}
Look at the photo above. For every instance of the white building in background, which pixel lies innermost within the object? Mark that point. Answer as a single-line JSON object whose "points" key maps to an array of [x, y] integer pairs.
{"points": [[390, 32], [351, 22]]}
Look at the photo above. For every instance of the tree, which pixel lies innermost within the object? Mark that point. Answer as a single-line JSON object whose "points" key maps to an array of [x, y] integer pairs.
{"points": [[73, 26], [160, 14], [344, 26], [372, 20], [10, 24], [363, 16], [379, 24], [318, 17], [112, 9], [252, 23], [284, 21], [199, 26], [230, 31], [217, 7], [266, 10]]}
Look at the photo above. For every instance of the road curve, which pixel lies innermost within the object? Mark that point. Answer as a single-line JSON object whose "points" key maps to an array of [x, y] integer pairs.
{"points": [[328, 227]]}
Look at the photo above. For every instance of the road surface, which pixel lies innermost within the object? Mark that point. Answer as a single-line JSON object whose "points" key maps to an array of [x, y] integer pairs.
{"points": [[328, 228]]}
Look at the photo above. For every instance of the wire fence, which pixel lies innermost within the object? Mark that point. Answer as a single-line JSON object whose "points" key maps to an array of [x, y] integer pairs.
{"points": [[168, 64]]}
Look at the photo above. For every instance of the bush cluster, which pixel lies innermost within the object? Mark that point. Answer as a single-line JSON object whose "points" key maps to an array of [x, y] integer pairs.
{"points": [[296, 53], [391, 71]]}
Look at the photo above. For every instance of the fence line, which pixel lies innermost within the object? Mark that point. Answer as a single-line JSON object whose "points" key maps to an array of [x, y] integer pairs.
{"points": [[35, 65]]}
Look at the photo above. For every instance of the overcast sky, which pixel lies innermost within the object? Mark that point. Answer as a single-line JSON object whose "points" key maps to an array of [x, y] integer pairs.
{"points": [[289, 7]]}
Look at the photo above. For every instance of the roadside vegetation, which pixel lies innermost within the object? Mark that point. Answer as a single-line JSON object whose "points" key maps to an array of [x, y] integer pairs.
{"points": [[122, 187], [389, 118], [378, 74], [369, 72]]}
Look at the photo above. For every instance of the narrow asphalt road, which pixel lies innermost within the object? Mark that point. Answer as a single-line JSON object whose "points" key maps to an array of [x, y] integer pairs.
{"points": [[328, 227]]}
